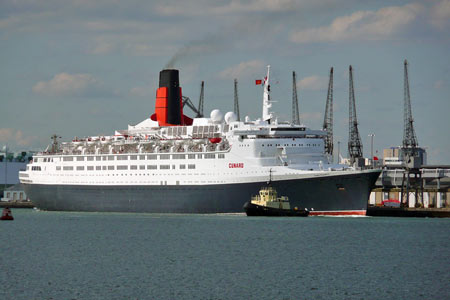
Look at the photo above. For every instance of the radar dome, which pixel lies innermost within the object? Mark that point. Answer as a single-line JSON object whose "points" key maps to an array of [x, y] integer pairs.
{"points": [[230, 117], [216, 116]]}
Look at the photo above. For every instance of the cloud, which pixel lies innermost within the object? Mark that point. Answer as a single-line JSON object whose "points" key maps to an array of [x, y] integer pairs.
{"points": [[439, 84], [313, 83], [232, 7], [440, 14], [14, 137], [309, 117], [361, 25], [243, 70], [65, 84], [142, 91]]}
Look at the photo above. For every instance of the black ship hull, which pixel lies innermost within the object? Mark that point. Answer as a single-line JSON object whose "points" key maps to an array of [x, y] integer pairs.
{"points": [[341, 193], [253, 210]]}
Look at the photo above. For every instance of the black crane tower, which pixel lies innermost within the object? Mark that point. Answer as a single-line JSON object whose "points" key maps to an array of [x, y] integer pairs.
{"points": [[295, 111], [236, 100], [201, 100], [412, 176], [187, 101], [409, 136], [328, 117], [354, 140]]}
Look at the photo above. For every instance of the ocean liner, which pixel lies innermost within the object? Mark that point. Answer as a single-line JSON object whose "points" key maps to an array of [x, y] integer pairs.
{"points": [[170, 163]]}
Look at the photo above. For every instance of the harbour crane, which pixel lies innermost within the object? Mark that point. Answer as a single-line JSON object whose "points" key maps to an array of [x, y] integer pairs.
{"points": [[354, 139], [328, 117], [236, 100], [295, 111]]}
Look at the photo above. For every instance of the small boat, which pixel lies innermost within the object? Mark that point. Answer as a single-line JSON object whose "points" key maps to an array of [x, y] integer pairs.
{"points": [[268, 204], [6, 215]]}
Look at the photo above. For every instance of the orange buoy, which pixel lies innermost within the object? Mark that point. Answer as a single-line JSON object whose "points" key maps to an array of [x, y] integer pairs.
{"points": [[6, 215]]}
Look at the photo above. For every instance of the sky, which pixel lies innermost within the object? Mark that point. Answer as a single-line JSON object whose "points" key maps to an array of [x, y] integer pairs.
{"points": [[81, 67]]}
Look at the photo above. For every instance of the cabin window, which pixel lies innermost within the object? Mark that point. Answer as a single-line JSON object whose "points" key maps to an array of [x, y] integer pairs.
{"points": [[58, 168], [80, 168], [210, 156], [98, 158], [122, 157], [182, 166], [151, 167], [199, 156], [179, 156], [90, 168], [151, 156], [191, 166], [90, 158], [142, 167], [103, 167], [221, 155], [67, 168], [80, 158], [110, 167], [98, 168], [133, 157], [164, 167], [110, 157], [68, 158], [191, 156], [122, 167], [133, 167], [164, 156], [141, 157]]}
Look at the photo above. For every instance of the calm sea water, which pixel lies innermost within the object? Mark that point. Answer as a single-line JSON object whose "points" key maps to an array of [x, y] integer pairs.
{"points": [[61, 255]]}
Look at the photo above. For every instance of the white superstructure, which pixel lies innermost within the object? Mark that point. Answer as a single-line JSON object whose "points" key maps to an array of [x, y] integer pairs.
{"points": [[215, 150]]}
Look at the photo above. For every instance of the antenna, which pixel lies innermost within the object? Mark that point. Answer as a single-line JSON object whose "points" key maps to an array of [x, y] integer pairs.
{"points": [[236, 100], [295, 112], [328, 117], [354, 140]]}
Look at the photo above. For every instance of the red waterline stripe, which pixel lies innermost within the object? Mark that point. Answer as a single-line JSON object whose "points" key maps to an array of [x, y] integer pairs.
{"points": [[338, 213]]}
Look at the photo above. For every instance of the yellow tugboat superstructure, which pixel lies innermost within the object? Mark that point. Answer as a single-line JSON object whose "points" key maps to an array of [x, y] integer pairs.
{"points": [[268, 197]]}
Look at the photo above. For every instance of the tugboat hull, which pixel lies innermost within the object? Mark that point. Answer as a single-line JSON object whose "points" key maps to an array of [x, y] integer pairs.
{"points": [[253, 210]]}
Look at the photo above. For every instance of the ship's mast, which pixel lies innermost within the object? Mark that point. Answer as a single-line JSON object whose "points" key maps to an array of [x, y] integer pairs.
{"points": [[267, 104]]}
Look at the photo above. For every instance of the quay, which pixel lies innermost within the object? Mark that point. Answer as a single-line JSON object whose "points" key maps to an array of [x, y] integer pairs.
{"points": [[424, 192]]}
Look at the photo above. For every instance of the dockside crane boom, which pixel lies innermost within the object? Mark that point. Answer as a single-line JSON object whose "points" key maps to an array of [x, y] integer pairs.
{"points": [[328, 117], [354, 139], [409, 136], [236, 100], [295, 111]]}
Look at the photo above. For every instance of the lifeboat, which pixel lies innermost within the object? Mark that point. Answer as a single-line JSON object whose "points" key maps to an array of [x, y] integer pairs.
{"points": [[215, 140]]}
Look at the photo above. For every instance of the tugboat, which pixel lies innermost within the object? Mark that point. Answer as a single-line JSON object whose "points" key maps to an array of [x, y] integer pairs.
{"points": [[6, 215], [268, 204]]}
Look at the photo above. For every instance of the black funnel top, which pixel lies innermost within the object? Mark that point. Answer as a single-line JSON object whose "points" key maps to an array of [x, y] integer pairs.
{"points": [[169, 78]]}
